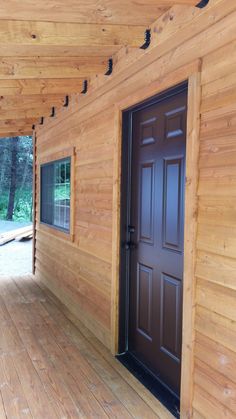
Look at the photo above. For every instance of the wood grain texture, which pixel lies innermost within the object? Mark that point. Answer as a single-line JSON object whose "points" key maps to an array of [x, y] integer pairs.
{"points": [[88, 11], [68, 34], [190, 234], [84, 272], [40, 87], [51, 368], [50, 67], [215, 298], [84, 276]]}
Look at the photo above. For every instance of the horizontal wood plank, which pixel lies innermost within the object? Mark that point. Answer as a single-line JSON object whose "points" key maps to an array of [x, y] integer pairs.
{"points": [[50, 67], [216, 327], [40, 87], [87, 11], [68, 34]]}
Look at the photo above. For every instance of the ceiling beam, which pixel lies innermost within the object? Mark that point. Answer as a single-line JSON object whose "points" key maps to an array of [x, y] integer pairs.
{"points": [[15, 125], [57, 50], [40, 86], [50, 67], [29, 101], [28, 33], [15, 133], [90, 11], [21, 113], [28, 107], [20, 130]]}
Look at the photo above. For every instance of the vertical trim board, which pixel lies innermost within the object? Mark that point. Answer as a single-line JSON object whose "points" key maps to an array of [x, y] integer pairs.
{"points": [[190, 234]]}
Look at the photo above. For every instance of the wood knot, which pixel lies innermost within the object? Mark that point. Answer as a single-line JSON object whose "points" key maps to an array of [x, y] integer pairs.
{"points": [[33, 36]]}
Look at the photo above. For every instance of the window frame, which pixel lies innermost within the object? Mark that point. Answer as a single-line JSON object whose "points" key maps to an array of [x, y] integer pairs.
{"points": [[51, 228]]}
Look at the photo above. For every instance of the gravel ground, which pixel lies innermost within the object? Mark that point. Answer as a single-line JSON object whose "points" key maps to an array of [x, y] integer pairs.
{"points": [[15, 257], [11, 225]]}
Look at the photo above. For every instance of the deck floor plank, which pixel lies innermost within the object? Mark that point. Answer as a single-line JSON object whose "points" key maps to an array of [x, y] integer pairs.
{"points": [[51, 367]]}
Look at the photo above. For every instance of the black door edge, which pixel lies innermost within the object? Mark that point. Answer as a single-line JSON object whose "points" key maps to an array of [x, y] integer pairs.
{"points": [[156, 387]]}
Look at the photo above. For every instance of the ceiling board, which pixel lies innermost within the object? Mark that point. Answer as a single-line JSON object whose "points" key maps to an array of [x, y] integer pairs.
{"points": [[68, 34], [57, 50], [15, 133], [21, 113], [125, 12], [48, 48], [40, 86], [29, 100], [50, 67], [12, 125], [28, 107]]}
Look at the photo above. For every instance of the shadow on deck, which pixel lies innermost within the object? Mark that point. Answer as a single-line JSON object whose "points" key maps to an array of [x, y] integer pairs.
{"points": [[51, 368]]}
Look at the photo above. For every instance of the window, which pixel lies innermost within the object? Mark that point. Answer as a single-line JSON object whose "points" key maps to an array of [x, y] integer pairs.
{"points": [[56, 193]]}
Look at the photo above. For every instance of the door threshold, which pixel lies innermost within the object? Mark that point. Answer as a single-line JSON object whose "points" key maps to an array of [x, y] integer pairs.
{"points": [[165, 396]]}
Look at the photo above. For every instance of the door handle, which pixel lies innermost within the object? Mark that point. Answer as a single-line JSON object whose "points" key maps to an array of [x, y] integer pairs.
{"points": [[131, 229], [130, 245]]}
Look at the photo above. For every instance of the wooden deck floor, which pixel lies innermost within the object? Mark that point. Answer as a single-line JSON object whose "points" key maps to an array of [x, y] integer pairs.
{"points": [[50, 368]]}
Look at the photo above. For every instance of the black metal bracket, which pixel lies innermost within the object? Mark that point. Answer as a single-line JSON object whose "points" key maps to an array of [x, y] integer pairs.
{"points": [[33, 127], [202, 4], [42, 121], [53, 112], [110, 67], [147, 39], [85, 87], [66, 103]]}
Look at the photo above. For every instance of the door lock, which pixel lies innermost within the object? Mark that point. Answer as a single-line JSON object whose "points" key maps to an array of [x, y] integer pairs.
{"points": [[130, 245], [131, 229]]}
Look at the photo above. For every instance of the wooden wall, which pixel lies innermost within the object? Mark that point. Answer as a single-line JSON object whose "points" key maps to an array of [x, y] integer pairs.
{"points": [[81, 272], [215, 348]]}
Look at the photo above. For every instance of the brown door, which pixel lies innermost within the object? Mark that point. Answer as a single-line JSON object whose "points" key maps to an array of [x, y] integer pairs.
{"points": [[157, 220]]}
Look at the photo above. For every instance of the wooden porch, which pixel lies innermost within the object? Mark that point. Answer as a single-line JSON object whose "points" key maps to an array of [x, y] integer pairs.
{"points": [[52, 368]]}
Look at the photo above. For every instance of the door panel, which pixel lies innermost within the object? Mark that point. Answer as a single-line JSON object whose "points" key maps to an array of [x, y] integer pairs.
{"points": [[172, 203], [144, 300], [170, 319], [146, 203], [157, 214]]}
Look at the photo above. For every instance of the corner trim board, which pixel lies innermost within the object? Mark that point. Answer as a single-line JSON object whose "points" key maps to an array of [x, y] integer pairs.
{"points": [[190, 72]]}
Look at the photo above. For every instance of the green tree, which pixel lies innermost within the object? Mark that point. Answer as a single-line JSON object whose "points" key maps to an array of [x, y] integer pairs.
{"points": [[12, 190], [16, 167]]}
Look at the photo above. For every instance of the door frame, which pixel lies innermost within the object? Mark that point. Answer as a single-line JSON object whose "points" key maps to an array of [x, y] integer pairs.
{"points": [[192, 73]]}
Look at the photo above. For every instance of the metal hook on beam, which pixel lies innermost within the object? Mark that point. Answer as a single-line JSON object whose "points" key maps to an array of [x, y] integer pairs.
{"points": [[110, 67], [85, 87], [147, 39], [66, 103], [202, 4], [53, 112], [42, 121]]}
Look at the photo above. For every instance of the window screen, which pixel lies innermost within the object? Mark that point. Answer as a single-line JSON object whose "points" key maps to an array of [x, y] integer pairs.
{"points": [[55, 194]]}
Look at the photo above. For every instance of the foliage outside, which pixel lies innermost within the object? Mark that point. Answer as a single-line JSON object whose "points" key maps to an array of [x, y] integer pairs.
{"points": [[16, 168]]}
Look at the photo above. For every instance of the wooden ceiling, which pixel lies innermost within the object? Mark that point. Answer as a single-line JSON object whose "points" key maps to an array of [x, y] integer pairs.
{"points": [[48, 48]]}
